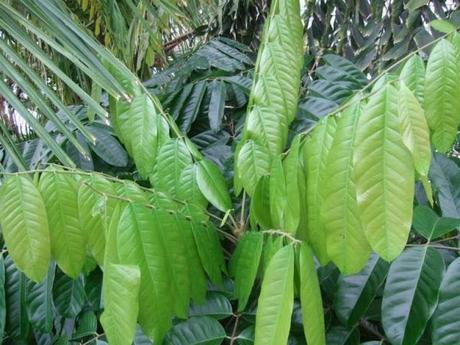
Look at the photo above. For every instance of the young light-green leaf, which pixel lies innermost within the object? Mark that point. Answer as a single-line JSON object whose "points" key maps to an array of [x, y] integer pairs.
{"points": [[212, 184]]}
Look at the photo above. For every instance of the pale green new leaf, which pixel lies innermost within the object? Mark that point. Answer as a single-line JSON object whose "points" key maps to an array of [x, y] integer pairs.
{"points": [[213, 186], [260, 203], [276, 300], [25, 226], [346, 244], [253, 162], [384, 175], [414, 130], [413, 76], [310, 298], [244, 265], [442, 95], [445, 321], [60, 191], [121, 304], [411, 294], [278, 193], [316, 149]]}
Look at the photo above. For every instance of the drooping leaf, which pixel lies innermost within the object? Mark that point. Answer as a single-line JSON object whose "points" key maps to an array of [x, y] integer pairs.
{"points": [[442, 95], [445, 323], [108, 148], [384, 175], [260, 203], [316, 149], [430, 225], [121, 305], [339, 335], [192, 106], [212, 184], [25, 226], [411, 294], [278, 193], [2, 297], [196, 331], [86, 325], [290, 166], [216, 306], [187, 188], [413, 76], [272, 244], [216, 103], [310, 298], [346, 244], [244, 265], [356, 292], [276, 300], [68, 295], [414, 129]]}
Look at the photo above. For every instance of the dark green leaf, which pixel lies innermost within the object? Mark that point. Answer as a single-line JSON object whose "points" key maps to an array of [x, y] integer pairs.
{"points": [[196, 331], [430, 225]]}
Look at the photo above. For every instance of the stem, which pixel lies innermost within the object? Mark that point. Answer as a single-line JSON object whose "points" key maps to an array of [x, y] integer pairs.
{"points": [[283, 234], [235, 328]]}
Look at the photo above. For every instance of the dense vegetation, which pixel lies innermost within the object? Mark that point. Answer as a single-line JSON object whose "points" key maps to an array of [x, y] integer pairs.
{"points": [[239, 173]]}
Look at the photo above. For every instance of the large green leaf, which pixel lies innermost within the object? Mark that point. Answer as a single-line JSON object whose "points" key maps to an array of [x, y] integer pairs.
{"points": [[107, 147], [173, 157], [216, 103], [413, 75], [59, 191], [244, 265], [278, 193], [445, 321], [273, 318], [414, 129], [310, 298], [356, 292], [25, 226], [384, 175], [212, 184], [411, 294], [17, 323], [68, 295], [216, 306], [316, 150], [188, 189], [140, 242], [346, 244], [139, 125], [430, 225], [291, 165], [253, 162], [40, 303], [196, 331], [442, 95], [121, 305]]}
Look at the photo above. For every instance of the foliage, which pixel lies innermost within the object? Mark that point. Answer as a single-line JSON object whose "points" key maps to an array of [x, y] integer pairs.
{"points": [[317, 240]]}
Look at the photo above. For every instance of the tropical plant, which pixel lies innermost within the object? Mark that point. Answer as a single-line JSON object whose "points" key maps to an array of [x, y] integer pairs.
{"points": [[286, 201]]}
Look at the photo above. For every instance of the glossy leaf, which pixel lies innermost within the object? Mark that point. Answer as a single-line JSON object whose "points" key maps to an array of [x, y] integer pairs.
{"points": [[68, 295], [25, 226], [413, 76], [384, 175], [108, 148], [216, 103], [244, 265], [216, 306], [275, 302], [121, 305], [445, 323], [430, 225], [253, 162], [212, 184], [310, 298], [411, 294], [196, 331]]}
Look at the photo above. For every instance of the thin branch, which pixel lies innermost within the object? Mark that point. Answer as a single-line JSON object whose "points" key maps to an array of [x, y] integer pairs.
{"points": [[439, 246], [235, 328], [283, 234]]}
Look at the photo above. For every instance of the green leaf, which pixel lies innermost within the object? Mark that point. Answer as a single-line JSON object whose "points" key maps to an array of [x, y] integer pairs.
{"points": [[139, 125], [290, 166], [430, 225], [443, 26], [140, 242], [40, 304], [413, 76], [216, 103], [411, 294], [272, 244], [246, 337], [356, 292], [384, 175], [213, 186], [2, 297], [188, 190], [196, 331], [107, 147], [244, 265], [216, 306], [310, 298], [260, 203], [412, 5], [17, 322], [68, 295], [316, 150], [92, 208], [192, 106], [173, 157], [339, 335], [121, 305], [253, 162], [275, 304], [346, 243], [86, 326], [278, 193], [414, 130], [25, 226], [445, 323], [442, 95], [60, 191]]}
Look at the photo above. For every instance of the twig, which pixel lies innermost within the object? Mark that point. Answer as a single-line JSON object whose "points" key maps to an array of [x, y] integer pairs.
{"points": [[439, 246], [283, 234], [93, 339], [235, 328]]}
